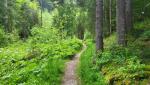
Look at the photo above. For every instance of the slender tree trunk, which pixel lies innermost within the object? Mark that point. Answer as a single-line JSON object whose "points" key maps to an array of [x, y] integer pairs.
{"points": [[99, 25], [41, 3], [121, 22], [128, 13], [41, 18], [6, 16], [110, 16], [106, 17], [80, 31]]}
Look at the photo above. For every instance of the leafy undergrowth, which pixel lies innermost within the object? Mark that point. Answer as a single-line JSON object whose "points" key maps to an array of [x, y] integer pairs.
{"points": [[140, 40], [120, 64], [88, 72], [110, 41], [38, 61], [126, 65], [143, 43], [116, 65]]}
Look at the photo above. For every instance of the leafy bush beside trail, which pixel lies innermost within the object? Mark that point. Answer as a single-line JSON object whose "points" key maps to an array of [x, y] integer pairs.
{"points": [[89, 73], [120, 64], [115, 65], [39, 60]]}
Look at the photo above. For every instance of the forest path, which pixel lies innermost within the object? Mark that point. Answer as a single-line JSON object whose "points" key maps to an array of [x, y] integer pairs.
{"points": [[70, 77]]}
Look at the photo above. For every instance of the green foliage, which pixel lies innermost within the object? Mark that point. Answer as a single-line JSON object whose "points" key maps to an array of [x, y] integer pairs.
{"points": [[45, 35], [146, 35], [7, 38], [88, 72], [52, 73], [120, 63], [140, 28], [2, 38], [39, 60], [140, 38], [48, 18], [139, 7], [142, 25], [65, 19], [110, 41]]}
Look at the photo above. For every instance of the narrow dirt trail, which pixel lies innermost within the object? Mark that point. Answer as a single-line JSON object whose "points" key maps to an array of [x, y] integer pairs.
{"points": [[70, 77]]}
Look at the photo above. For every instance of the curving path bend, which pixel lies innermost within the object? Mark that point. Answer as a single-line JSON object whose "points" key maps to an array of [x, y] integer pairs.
{"points": [[70, 77]]}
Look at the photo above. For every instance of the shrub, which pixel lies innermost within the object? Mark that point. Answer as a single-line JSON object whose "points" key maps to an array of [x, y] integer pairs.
{"points": [[88, 72], [146, 35], [39, 60], [141, 27], [3, 38], [36, 63], [120, 63], [7, 38], [45, 35]]}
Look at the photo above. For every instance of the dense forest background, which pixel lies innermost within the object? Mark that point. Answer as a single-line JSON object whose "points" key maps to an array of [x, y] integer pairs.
{"points": [[37, 38]]}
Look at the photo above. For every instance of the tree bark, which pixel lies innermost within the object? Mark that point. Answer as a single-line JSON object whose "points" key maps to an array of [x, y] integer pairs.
{"points": [[110, 16], [106, 17], [6, 16], [80, 31], [121, 25], [41, 12], [99, 25], [128, 13]]}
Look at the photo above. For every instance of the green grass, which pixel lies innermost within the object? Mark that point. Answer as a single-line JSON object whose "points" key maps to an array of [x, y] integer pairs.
{"points": [[89, 74]]}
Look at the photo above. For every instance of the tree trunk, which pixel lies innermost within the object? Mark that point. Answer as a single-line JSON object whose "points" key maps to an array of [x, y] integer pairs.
{"points": [[128, 13], [6, 16], [110, 16], [106, 17], [99, 25], [80, 31], [41, 12], [121, 22]]}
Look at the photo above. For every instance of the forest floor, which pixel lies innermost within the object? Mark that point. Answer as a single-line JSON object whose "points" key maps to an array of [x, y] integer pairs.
{"points": [[70, 76]]}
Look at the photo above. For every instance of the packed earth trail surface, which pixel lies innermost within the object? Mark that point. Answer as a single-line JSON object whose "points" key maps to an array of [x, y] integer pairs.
{"points": [[70, 77]]}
